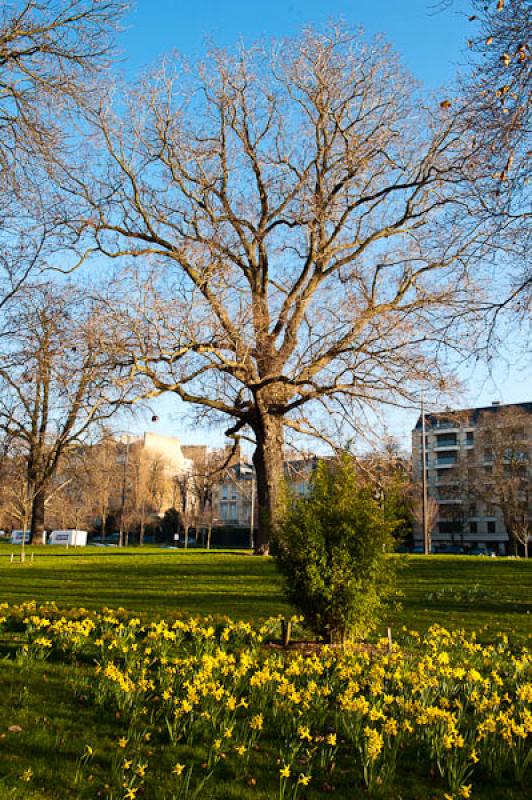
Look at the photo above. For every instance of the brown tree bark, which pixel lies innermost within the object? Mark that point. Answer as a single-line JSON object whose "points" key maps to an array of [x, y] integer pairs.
{"points": [[37, 517], [268, 463]]}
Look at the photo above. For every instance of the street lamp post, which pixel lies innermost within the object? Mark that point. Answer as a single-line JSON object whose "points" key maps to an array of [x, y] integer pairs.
{"points": [[426, 537], [123, 498], [252, 517]]}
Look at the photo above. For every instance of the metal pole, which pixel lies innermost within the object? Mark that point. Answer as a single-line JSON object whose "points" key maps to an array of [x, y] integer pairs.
{"points": [[252, 518], [123, 500], [426, 543]]}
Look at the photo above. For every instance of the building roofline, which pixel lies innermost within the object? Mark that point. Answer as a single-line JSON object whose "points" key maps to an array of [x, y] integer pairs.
{"points": [[472, 414]]}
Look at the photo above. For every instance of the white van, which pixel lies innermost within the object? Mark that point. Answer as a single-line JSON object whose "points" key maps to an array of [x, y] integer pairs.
{"points": [[16, 537], [70, 538]]}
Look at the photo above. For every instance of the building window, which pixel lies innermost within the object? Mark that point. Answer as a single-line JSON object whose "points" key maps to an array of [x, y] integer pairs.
{"points": [[446, 457], [470, 437], [446, 440], [491, 527], [228, 512], [473, 527], [450, 527]]}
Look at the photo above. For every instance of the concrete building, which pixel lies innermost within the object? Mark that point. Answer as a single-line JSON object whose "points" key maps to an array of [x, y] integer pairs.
{"points": [[478, 468], [236, 487], [170, 450], [233, 494]]}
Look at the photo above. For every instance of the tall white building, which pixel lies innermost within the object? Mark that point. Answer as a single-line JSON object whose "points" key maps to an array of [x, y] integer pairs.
{"points": [[479, 475]]}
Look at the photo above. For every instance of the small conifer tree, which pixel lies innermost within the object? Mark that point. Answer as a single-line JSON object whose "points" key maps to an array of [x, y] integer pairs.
{"points": [[331, 548]]}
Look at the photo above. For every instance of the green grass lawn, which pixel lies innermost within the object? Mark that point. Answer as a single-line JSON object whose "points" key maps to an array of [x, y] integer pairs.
{"points": [[454, 591], [51, 724]]}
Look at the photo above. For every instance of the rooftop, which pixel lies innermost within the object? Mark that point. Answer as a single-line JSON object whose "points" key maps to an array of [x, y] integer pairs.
{"points": [[469, 416]]}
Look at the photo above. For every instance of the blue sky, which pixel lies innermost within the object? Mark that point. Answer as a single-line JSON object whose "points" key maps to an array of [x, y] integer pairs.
{"points": [[432, 46], [431, 43]]}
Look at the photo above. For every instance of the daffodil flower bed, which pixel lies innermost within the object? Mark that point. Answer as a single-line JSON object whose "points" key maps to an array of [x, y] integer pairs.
{"points": [[202, 708]]}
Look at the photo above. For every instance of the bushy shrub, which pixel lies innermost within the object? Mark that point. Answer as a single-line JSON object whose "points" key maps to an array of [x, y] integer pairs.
{"points": [[331, 548]]}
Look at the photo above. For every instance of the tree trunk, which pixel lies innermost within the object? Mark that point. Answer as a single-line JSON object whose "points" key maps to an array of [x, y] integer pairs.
{"points": [[142, 521], [37, 517], [268, 463]]}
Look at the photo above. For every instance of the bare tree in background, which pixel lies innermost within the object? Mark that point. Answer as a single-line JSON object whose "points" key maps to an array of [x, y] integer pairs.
{"points": [[56, 383], [209, 467], [310, 222], [68, 500], [15, 499], [503, 451], [50, 54], [432, 511], [103, 475]]}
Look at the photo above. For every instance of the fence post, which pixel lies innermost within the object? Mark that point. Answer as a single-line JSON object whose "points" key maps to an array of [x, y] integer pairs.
{"points": [[286, 632]]}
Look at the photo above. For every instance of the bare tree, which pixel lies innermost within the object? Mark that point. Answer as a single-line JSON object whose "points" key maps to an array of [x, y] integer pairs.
{"points": [[102, 474], [153, 481], [56, 383], [498, 90], [15, 499], [147, 485], [503, 452], [209, 467], [522, 531], [68, 499], [50, 54], [307, 216], [432, 511]]}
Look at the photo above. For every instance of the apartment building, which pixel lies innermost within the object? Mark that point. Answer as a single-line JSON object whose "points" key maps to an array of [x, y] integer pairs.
{"points": [[234, 495], [235, 492], [478, 471]]}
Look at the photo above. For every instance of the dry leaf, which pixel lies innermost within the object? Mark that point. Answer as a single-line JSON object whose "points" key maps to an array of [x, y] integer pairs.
{"points": [[445, 104], [500, 5]]}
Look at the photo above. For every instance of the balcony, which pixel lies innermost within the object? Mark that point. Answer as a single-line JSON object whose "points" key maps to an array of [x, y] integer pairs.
{"points": [[449, 461], [445, 440], [446, 425], [449, 501]]}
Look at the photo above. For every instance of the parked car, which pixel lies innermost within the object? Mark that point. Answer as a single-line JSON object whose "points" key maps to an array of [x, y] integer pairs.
{"points": [[478, 551], [453, 550]]}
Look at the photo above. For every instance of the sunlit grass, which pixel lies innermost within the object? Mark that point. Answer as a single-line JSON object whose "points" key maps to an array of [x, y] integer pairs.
{"points": [[455, 591]]}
